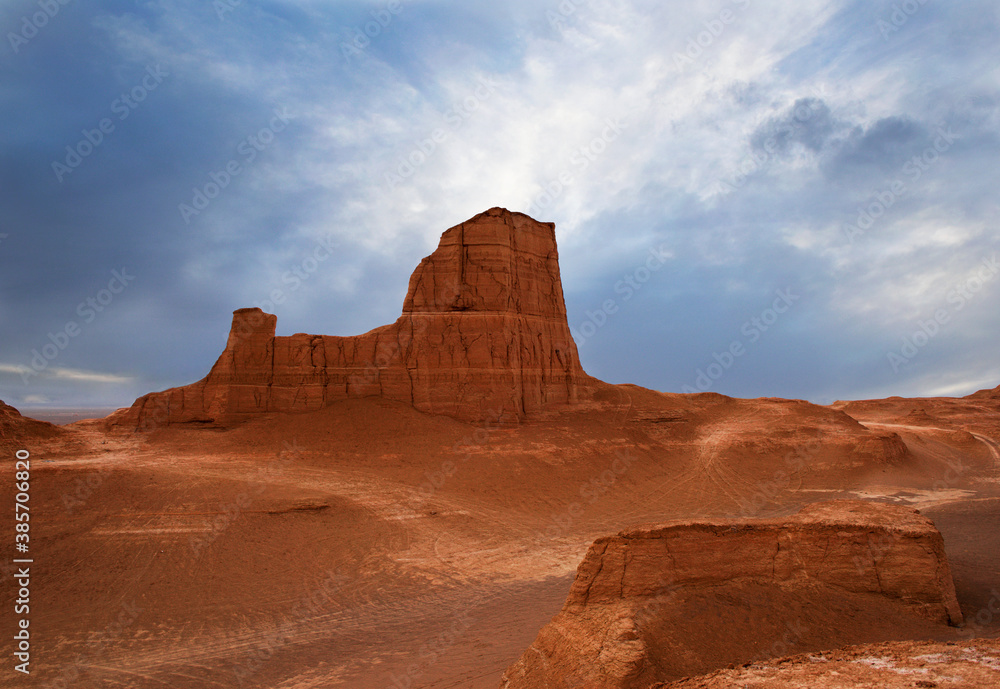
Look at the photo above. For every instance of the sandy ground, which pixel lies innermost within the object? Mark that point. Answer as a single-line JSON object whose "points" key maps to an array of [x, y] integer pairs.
{"points": [[371, 546]]}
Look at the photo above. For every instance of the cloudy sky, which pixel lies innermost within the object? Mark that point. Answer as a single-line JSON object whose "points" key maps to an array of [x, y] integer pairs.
{"points": [[817, 179]]}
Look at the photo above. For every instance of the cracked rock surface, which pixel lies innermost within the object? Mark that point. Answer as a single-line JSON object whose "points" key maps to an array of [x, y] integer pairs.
{"points": [[483, 337], [799, 579]]}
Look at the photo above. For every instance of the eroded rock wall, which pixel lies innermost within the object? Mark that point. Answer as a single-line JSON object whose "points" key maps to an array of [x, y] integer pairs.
{"points": [[610, 631], [483, 336]]}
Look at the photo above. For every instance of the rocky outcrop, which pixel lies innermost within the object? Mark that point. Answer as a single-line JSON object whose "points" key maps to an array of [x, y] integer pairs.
{"points": [[988, 395], [7, 412], [483, 335], [613, 629], [886, 448], [15, 428]]}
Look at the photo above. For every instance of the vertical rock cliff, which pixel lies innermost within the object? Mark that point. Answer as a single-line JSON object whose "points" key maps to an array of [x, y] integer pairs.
{"points": [[483, 336], [647, 601]]}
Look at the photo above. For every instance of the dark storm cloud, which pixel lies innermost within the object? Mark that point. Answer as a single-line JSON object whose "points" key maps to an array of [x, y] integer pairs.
{"points": [[808, 122], [885, 145]]}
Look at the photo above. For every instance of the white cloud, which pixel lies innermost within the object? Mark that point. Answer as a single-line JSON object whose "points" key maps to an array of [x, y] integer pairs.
{"points": [[69, 374], [80, 376]]}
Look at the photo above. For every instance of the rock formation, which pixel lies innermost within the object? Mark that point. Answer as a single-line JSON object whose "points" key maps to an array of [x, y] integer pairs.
{"points": [[15, 428], [7, 413], [483, 335], [988, 394], [613, 629]]}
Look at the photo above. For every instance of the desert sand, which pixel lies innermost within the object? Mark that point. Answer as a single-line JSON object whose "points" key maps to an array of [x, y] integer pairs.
{"points": [[409, 508]]}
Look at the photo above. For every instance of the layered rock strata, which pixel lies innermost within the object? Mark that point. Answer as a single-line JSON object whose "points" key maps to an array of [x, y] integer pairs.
{"points": [[612, 629], [483, 336]]}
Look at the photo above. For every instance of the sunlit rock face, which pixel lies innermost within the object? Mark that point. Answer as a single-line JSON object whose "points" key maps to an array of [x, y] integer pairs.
{"points": [[483, 336]]}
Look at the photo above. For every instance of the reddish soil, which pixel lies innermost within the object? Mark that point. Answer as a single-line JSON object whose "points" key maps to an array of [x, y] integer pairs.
{"points": [[369, 545], [903, 665]]}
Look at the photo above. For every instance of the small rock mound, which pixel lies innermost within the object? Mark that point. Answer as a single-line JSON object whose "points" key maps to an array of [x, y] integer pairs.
{"points": [[920, 417], [885, 448], [840, 565]]}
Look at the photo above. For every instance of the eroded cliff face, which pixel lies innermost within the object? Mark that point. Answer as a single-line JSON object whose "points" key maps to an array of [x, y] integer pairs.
{"points": [[618, 627], [483, 336]]}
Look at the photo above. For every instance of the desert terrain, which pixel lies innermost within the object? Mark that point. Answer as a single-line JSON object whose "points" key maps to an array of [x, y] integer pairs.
{"points": [[329, 548], [421, 532]]}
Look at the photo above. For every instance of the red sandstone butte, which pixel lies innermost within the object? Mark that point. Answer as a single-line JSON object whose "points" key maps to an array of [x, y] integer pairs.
{"points": [[483, 336], [624, 623]]}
